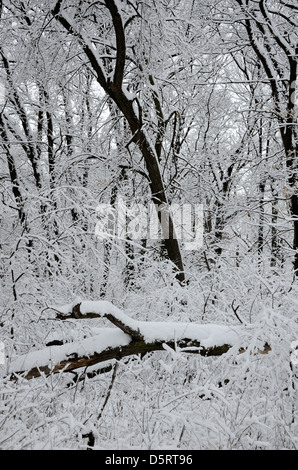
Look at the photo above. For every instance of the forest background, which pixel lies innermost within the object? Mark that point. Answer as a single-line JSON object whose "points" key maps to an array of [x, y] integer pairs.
{"points": [[151, 102]]}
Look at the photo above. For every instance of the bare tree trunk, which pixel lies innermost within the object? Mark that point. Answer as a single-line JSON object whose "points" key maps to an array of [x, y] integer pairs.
{"points": [[265, 36], [13, 175], [261, 225], [274, 236]]}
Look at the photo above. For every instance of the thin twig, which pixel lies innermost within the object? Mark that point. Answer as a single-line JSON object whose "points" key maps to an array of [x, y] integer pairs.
{"points": [[109, 391]]}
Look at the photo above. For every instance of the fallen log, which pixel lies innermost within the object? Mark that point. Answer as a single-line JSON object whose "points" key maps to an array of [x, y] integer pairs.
{"points": [[130, 337]]}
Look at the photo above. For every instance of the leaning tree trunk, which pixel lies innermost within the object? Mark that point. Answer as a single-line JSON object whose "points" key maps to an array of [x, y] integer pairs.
{"points": [[114, 89]]}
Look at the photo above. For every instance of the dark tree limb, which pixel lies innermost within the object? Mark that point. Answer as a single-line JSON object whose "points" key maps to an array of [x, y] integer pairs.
{"points": [[77, 314], [120, 42], [118, 353]]}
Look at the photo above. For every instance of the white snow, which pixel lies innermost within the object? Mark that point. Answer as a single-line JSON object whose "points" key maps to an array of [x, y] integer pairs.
{"points": [[100, 307], [130, 96], [208, 335], [109, 337]]}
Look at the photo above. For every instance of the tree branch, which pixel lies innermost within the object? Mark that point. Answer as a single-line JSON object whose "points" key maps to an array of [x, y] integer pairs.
{"points": [[103, 309], [86, 45], [120, 42]]}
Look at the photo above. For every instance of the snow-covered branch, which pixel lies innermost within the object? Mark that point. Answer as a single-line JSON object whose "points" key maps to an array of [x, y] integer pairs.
{"points": [[130, 338]]}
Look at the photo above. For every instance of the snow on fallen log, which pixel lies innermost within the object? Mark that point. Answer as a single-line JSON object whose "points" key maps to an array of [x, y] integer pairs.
{"points": [[130, 337], [49, 358]]}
